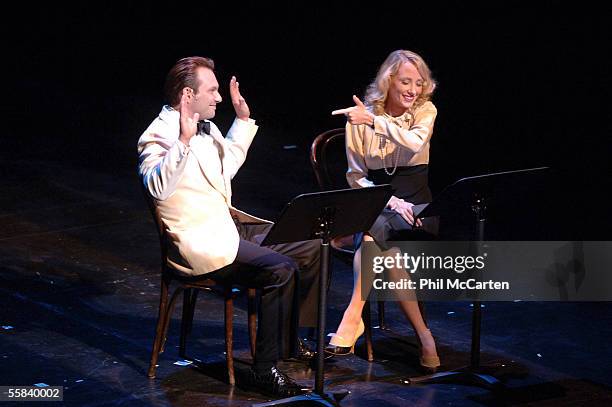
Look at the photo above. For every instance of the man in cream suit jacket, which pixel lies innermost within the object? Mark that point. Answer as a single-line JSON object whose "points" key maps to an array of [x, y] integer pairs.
{"points": [[186, 166]]}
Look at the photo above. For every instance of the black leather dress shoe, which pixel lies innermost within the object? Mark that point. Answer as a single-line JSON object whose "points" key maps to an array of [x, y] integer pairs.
{"points": [[272, 383]]}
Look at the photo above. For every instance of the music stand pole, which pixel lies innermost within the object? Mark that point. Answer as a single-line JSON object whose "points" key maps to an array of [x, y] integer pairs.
{"points": [[479, 208], [324, 233]]}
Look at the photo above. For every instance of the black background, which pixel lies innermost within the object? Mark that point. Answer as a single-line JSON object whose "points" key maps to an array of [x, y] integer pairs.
{"points": [[519, 85]]}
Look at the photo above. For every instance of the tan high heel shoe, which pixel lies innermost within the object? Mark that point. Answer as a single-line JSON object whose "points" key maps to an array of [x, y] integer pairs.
{"points": [[339, 346], [428, 363]]}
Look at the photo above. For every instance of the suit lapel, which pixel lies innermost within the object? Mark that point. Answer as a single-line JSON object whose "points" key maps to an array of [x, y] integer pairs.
{"points": [[209, 161], [220, 142]]}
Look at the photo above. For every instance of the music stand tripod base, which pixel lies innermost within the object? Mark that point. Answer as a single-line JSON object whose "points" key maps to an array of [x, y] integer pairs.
{"points": [[460, 377], [327, 399]]}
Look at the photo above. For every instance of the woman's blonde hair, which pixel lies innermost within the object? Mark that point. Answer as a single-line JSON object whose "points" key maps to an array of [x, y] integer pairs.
{"points": [[377, 91]]}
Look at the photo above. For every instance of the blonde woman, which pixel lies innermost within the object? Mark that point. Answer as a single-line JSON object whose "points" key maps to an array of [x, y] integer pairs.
{"points": [[387, 141]]}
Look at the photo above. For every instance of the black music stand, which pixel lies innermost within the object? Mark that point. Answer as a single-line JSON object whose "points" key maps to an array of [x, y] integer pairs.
{"points": [[467, 195], [325, 215]]}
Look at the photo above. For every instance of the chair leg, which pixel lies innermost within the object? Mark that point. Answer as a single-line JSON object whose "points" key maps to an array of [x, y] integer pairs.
{"points": [[381, 315], [192, 305], [252, 322], [169, 315], [229, 334], [182, 340], [367, 320], [189, 301], [159, 330]]}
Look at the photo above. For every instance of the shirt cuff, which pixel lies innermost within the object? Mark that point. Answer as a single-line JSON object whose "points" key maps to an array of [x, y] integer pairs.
{"points": [[249, 120], [379, 125]]}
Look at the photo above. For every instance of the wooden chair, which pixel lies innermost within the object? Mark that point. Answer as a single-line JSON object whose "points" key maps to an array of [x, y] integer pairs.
{"points": [[328, 160], [190, 286]]}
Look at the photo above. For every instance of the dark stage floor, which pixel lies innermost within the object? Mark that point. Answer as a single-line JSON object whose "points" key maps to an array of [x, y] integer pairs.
{"points": [[79, 286]]}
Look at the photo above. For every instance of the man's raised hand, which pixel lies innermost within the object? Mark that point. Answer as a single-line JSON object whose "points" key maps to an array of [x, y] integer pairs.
{"points": [[240, 105], [188, 123]]}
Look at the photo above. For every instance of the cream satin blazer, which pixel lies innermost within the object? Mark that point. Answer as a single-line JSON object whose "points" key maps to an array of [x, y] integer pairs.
{"points": [[191, 190]]}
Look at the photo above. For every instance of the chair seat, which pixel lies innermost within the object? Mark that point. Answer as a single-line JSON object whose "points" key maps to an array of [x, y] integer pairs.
{"points": [[201, 282]]}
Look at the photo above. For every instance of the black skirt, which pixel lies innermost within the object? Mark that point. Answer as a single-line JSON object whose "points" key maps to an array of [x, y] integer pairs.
{"points": [[411, 185]]}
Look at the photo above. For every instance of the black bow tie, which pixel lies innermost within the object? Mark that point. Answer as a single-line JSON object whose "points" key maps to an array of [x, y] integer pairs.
{"points": [[203, 127]]}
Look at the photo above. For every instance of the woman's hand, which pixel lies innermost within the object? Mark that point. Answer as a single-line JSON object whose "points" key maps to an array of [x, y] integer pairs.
{"points": [[404, 209], [357, 114]]}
